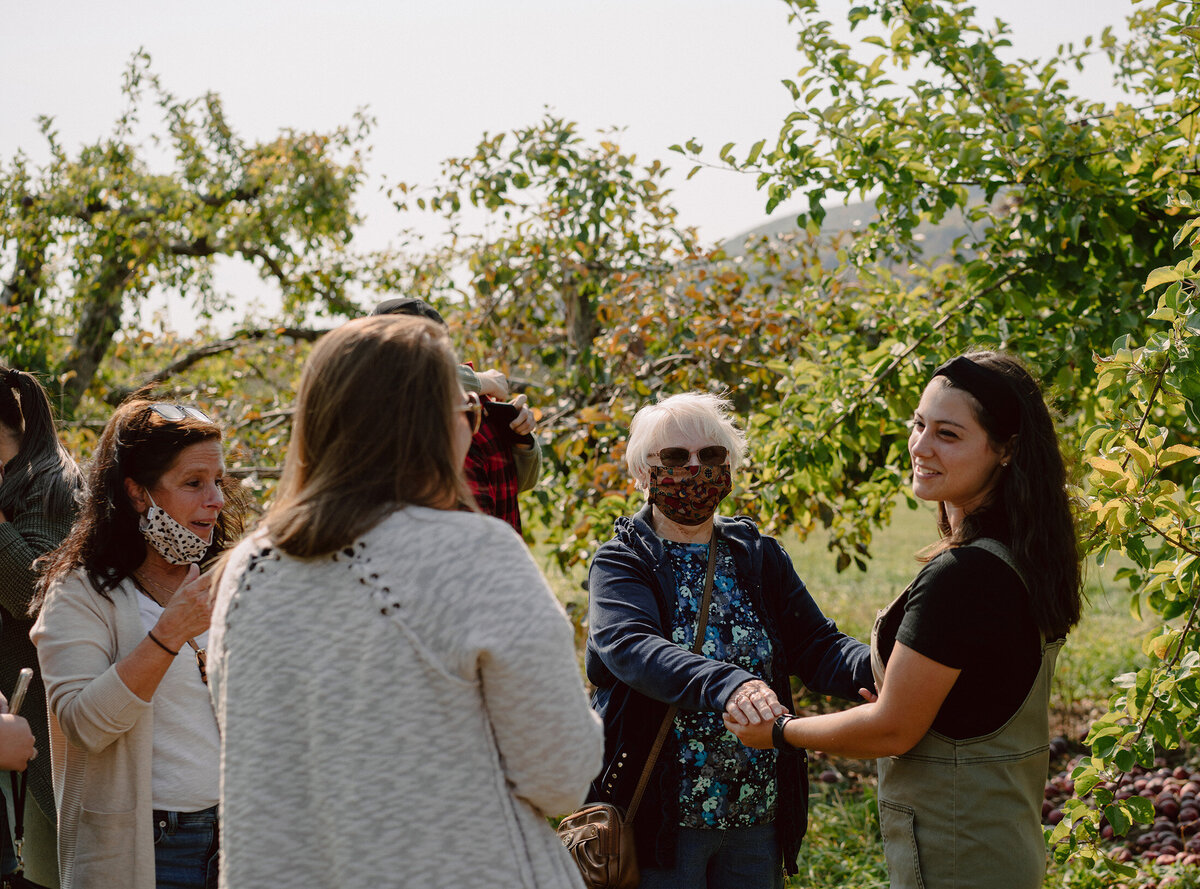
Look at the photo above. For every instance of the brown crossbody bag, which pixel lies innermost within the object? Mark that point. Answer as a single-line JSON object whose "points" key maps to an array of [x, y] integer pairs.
{"points": [[599, 836]]}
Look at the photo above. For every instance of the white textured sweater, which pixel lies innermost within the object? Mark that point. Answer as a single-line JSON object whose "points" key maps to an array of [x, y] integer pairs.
{"points": [[405, 712]]}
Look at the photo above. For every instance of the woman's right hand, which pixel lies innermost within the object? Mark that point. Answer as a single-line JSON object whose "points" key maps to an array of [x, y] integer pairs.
{"points": [[189, 612]]}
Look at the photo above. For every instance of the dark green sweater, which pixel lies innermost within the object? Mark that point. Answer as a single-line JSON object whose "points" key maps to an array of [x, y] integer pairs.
{"points": [[26, 535]]}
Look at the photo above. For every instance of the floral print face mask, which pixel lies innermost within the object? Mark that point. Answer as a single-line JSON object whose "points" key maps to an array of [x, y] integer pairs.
{"points": [[688, 495], [171, 540]]}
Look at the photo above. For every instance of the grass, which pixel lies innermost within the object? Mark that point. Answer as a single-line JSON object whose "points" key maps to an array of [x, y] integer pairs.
{"points": [[843, 846], [853, 597]]}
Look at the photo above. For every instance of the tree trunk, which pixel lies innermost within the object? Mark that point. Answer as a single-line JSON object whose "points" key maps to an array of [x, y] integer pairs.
{"points": [[581, 323], [102, 298]]}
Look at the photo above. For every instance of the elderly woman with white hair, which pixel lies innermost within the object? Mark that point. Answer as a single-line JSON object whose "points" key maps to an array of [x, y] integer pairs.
{"points": [[713, 813]]}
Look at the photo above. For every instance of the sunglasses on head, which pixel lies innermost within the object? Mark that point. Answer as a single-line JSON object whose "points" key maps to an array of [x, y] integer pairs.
{"points": [[673, 458], [474, 410], [176, 412]]}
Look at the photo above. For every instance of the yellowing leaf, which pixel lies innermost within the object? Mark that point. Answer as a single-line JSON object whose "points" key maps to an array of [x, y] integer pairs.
{"points": [[1160, 647], [1163, 275], [1141, 456], [1176, 453], [592, 415], [1106, 466]]}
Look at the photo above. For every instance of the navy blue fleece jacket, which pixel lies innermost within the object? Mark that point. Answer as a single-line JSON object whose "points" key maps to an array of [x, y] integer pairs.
{"points": [[637, 671]]}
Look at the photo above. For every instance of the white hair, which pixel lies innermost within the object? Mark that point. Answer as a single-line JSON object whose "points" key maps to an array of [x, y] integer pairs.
{"points": [[693, 414]]}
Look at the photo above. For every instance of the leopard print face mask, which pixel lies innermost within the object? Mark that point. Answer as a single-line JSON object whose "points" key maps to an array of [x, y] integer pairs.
{"points": [[688, 495], [171, 540]]}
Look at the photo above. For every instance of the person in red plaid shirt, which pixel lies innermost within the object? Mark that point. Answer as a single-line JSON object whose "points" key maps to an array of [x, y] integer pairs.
{"points": [[505, 457]]}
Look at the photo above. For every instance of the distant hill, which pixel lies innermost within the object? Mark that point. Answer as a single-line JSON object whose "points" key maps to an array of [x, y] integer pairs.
{"points": [[936, 240]]}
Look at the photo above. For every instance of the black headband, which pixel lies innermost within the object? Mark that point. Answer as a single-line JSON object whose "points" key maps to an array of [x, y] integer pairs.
{"points": [[990, 387], [12, 378]]}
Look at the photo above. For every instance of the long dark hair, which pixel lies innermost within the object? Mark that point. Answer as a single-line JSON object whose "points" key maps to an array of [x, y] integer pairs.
{"points": [[1029, 504], [140, 444], [41, 464], [372, 432]]}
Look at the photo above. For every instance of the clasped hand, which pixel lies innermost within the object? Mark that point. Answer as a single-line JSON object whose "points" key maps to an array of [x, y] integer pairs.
{"points": [[524, 424], [753, 703], [758, 733]]}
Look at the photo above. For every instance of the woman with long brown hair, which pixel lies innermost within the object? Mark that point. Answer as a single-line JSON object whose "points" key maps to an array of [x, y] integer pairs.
{"points": [[963, 658], [396, 685], [121, 641]]}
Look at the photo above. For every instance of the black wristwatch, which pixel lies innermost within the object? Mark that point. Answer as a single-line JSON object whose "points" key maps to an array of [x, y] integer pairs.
{"points": [[777, 739]]}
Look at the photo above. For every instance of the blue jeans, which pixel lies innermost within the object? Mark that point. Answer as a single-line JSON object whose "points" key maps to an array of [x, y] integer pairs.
{"points": [[741, 858], [185, 849]]}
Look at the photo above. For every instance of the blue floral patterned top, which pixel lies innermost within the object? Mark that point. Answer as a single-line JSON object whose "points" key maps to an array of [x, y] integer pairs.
{"points": [[724, 784]]}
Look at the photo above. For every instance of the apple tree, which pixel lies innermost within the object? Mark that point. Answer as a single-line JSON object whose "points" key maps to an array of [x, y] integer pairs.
{"points": [[1063, 204], [565, 266], [86, 237]]}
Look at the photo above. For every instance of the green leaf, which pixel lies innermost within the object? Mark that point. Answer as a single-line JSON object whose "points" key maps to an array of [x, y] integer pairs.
{"points": [[1124, 760], [1121, 870], [1060, 832], [1140, 808], [1084, 785], [1143, 750], [1118, 818]]}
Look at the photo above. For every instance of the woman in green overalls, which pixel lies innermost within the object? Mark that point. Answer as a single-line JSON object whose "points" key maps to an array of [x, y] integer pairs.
{"points": [[963, 658]]}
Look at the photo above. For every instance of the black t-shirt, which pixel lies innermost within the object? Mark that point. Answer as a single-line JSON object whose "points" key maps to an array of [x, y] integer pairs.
{"points": [[968, 609]]}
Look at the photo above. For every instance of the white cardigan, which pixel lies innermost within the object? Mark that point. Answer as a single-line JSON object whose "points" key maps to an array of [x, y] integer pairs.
{"points": [[405, 712], [101, 736]]}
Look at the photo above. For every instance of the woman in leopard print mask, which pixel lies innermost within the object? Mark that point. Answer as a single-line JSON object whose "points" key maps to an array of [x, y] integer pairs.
{"points": [[121, 638]]}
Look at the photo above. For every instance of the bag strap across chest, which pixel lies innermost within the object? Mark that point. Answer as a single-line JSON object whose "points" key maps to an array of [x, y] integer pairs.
{"points": [[701, 625]]}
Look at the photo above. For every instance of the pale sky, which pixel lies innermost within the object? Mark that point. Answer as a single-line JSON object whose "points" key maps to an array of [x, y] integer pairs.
{"points": [[437, 74]]}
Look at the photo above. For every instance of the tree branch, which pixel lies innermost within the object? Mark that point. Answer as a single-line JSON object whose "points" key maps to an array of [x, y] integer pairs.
{"points": [[260, 471], [1179, 648], [179, 365], [1146, 414], [1178, 544], [199, 247], [269, 261], [899, 359], [87, 211]]}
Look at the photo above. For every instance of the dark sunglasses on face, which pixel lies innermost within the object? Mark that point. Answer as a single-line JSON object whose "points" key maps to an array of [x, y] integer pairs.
{"points": [[176, 412], [474, 411], [673, 458]]}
